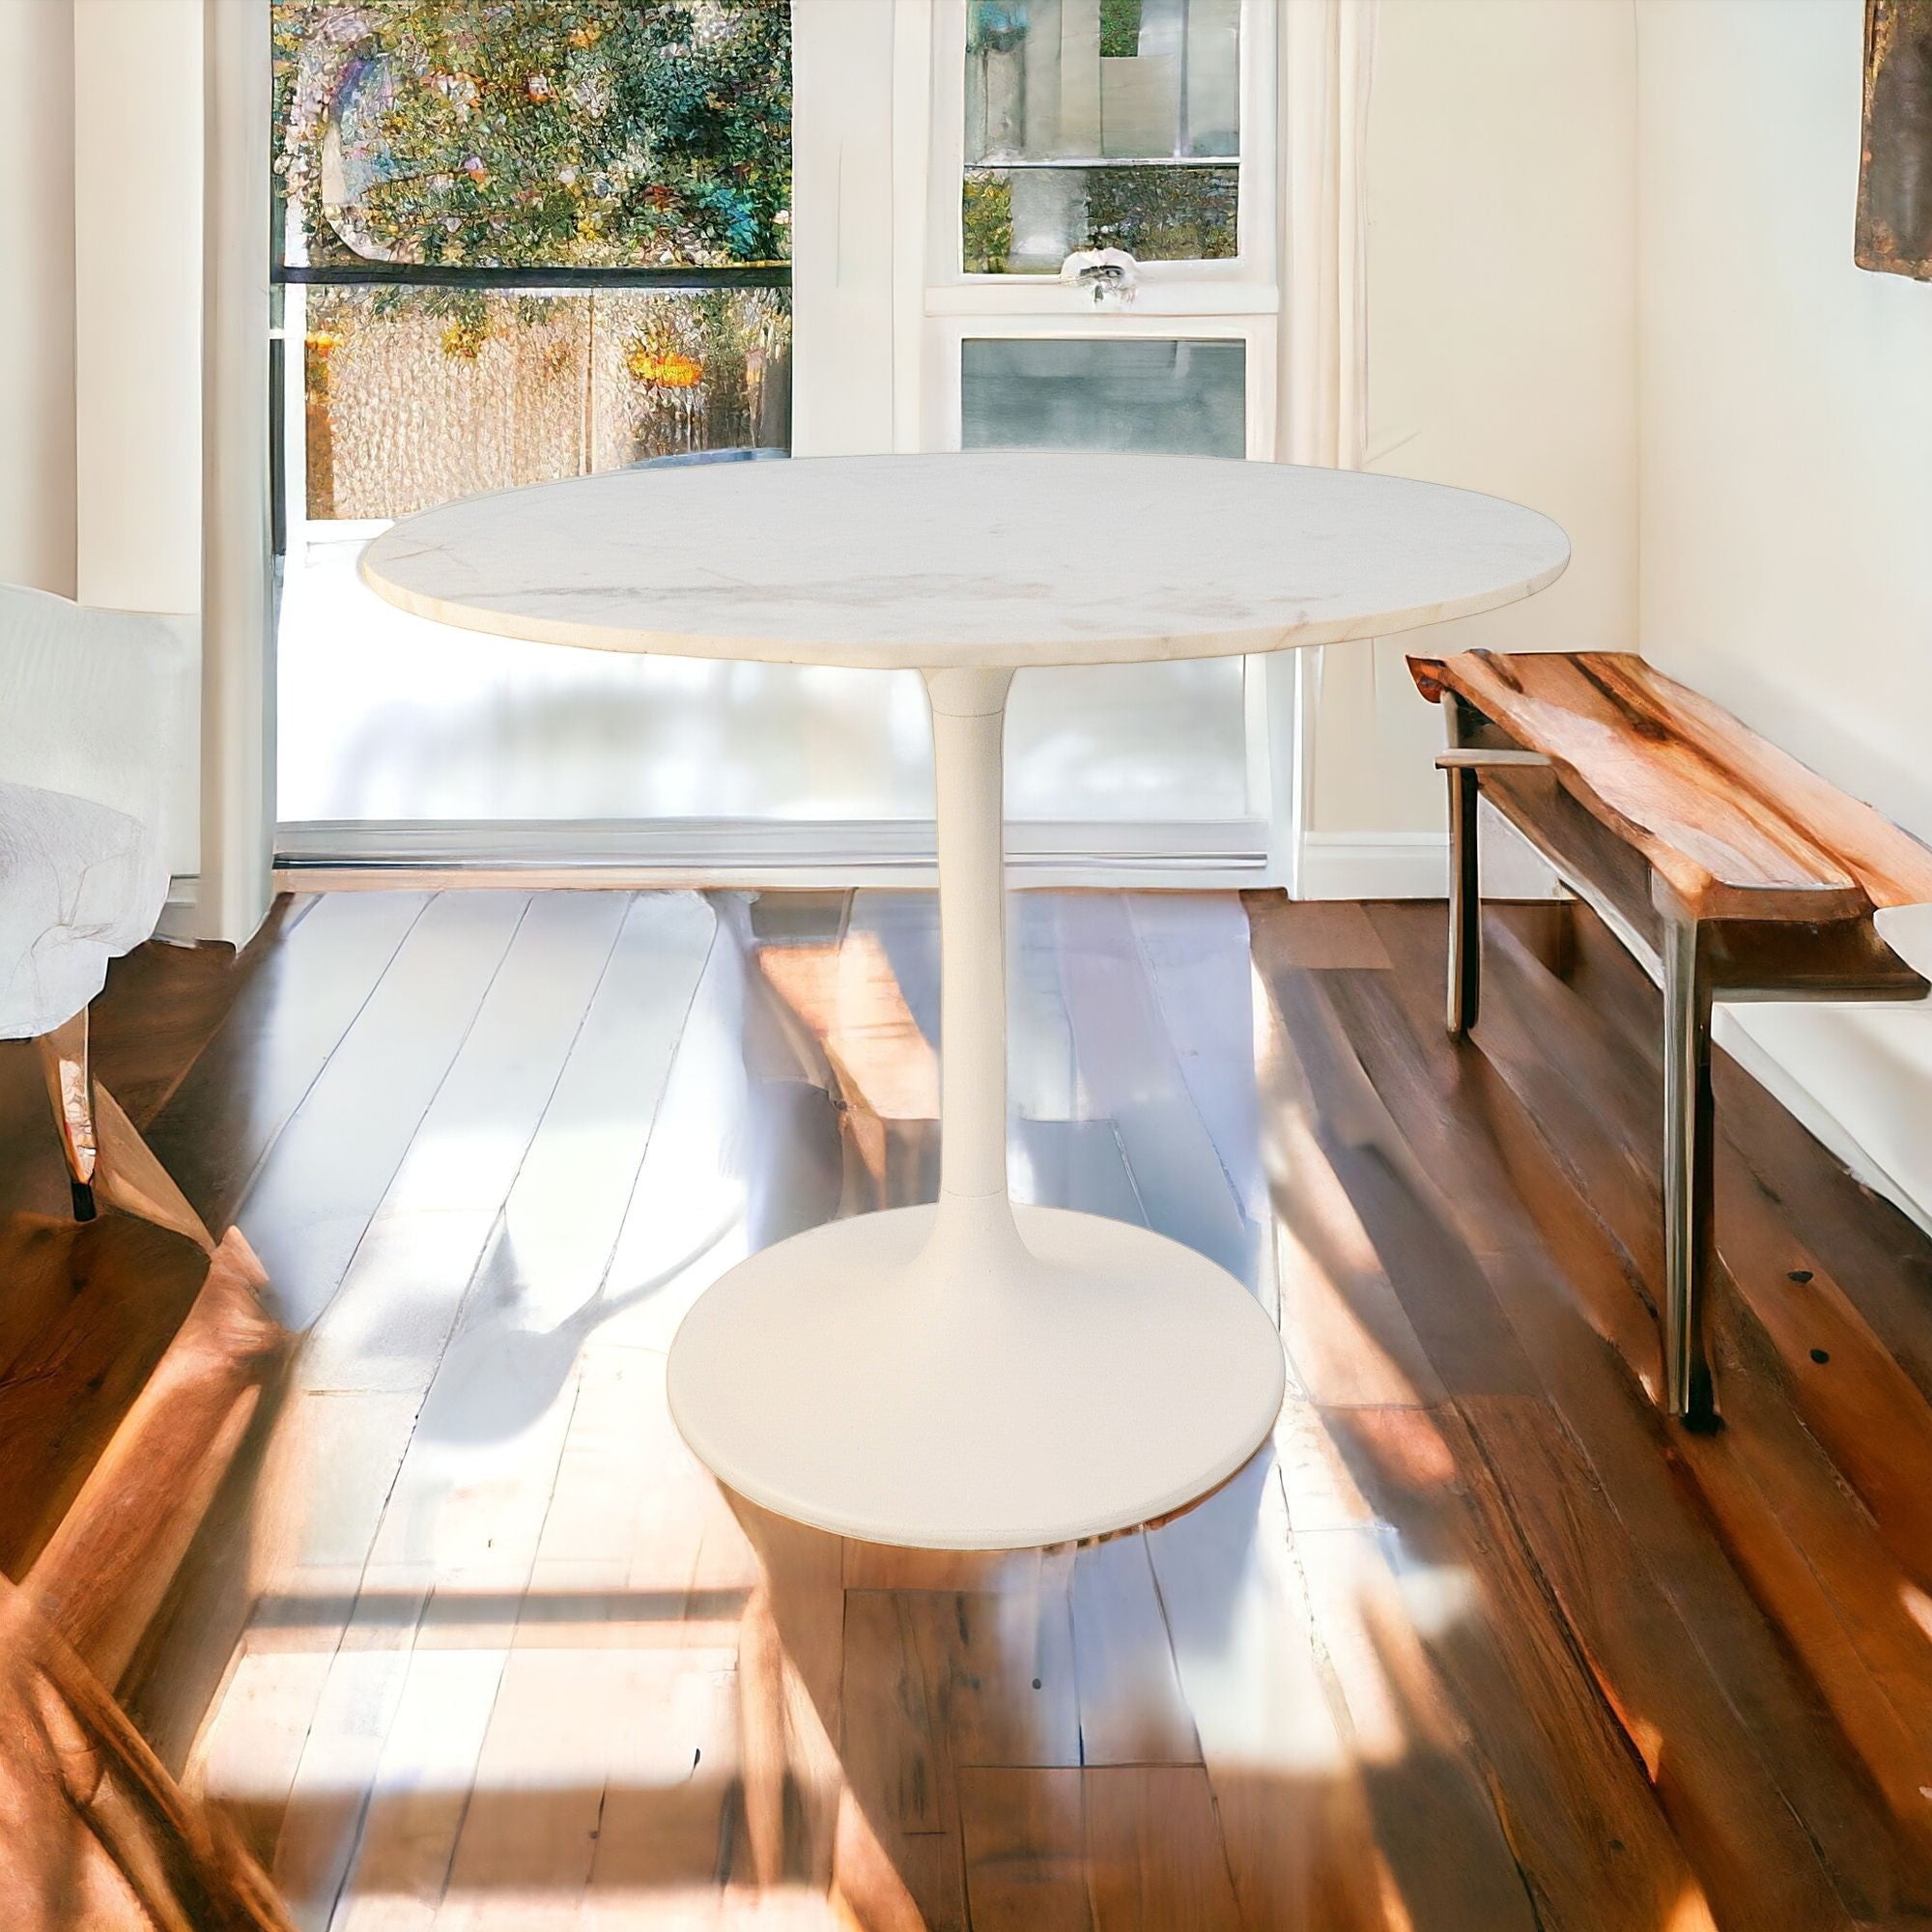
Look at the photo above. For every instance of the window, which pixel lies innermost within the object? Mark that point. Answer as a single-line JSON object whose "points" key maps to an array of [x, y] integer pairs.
{"points": [[1174, 398], [517, 241], [1112, 124], [541, 237], [1143, 126]]}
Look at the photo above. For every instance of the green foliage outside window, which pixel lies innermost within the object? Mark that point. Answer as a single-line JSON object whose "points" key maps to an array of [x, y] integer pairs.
{"points": [[1159, 214], [522, 135], [537, 133], [1120, 29]]}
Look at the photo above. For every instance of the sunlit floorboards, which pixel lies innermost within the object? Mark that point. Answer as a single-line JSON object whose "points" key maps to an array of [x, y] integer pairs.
{"points": [[1478, 1643]]}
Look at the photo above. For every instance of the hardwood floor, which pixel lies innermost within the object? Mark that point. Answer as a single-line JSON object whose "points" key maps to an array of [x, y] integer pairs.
{"points": [[1480, 1642]]}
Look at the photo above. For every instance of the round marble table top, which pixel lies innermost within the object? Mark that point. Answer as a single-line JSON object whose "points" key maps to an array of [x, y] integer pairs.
{"points": [[980, 561]]}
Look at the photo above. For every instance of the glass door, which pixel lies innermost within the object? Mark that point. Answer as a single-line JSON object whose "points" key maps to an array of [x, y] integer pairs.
{"points": [[518, 240]]}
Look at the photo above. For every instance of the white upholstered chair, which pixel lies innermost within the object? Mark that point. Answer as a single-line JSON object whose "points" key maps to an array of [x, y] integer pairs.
{"points": [[92, 709]]}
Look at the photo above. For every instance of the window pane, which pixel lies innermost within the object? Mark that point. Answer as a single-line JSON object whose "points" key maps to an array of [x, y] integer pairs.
{"points": [[416, 396], [530, 134], [1027, 221], [1174, 398], [1055, 89]]}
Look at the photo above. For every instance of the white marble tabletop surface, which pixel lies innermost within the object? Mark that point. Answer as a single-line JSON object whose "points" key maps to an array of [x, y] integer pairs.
{"points": [[983, 560]]}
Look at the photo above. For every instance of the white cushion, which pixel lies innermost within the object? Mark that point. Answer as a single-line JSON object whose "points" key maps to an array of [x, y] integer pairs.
{"points": [[79, 884]]}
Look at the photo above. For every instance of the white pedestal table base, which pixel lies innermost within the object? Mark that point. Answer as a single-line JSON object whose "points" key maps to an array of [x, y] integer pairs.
{"points": [[1005, 1381], [975, 1376]]}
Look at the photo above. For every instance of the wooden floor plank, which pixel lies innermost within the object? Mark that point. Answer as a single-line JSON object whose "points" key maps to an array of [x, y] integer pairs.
{"points": [[1770, 1485], [1026, 1850], [387, 1325], [1747, 1847], [1857, 1399], [86, 1312], [1154, 1850], [306, 1208], [1442, 1826], [1334, 933], [1593, 1846], [452, 1559], [1118, 1023], [1001, 1670], [744, 1148], [1132, 1710], [1400, 1204], [1044, 1067], [1289, 1792], [1349, 1338], [894, 1745], [252, 1077], [162, 1004], [573, 1190], [1197, 958], [1851, 1391], [1878, 1255]]}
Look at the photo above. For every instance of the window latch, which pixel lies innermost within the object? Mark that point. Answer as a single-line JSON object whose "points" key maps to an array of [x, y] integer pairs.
{"points": [[1111, 273]]}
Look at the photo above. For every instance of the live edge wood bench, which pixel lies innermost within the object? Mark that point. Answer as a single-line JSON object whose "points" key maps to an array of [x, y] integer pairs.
{"points": [[1729, 870]]}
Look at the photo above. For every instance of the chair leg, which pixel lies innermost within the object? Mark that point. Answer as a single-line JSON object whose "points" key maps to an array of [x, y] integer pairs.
{"points": [[70, 1089], [1687, 1136], [1466, 905]]}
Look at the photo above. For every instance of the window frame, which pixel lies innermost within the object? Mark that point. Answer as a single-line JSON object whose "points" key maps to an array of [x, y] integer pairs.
{"points": [[1244, 283]]}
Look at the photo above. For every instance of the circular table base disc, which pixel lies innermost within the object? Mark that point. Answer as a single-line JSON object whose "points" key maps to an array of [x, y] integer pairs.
{"points": [[970, 1393]]}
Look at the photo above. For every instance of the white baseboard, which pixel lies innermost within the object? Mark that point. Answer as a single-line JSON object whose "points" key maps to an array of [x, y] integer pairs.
{"points": [[1372, 865], [1415, 864], [179, 915]]}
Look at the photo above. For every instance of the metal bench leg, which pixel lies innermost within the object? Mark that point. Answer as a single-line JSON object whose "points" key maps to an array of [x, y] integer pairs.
{"points": [[1687, 1127], [70, 1089], [1465, 904]]}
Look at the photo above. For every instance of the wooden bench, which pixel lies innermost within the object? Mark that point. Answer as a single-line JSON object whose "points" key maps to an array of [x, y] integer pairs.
{"points": [[1730, 870]]}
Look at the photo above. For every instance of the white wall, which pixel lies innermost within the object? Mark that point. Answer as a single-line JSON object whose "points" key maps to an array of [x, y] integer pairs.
{"points": [[842, 55], [1501, 349], [1786, 432], [138, 133], [99, 317], [136, 313], [37, 449]]}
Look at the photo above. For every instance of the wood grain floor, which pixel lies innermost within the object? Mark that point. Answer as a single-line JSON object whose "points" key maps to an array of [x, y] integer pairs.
{"points": [[1478, 1643]]}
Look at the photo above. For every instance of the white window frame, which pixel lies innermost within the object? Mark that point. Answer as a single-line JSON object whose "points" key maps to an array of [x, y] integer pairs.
{"points": [[1238, 298]]}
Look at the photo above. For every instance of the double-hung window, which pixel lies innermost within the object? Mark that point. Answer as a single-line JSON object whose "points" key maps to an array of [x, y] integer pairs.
{"points": [[1100, 274]]}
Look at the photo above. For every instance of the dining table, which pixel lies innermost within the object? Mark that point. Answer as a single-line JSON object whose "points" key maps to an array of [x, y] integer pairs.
{"points": [[975, 1372]]}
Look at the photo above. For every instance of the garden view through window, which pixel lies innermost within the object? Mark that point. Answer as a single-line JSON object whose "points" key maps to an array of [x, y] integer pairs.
{"points": [[532, 238], [1100, 124]]}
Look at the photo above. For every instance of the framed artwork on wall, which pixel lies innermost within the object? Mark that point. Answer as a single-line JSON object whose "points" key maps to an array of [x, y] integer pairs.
{"points": [[1895, 224]]}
